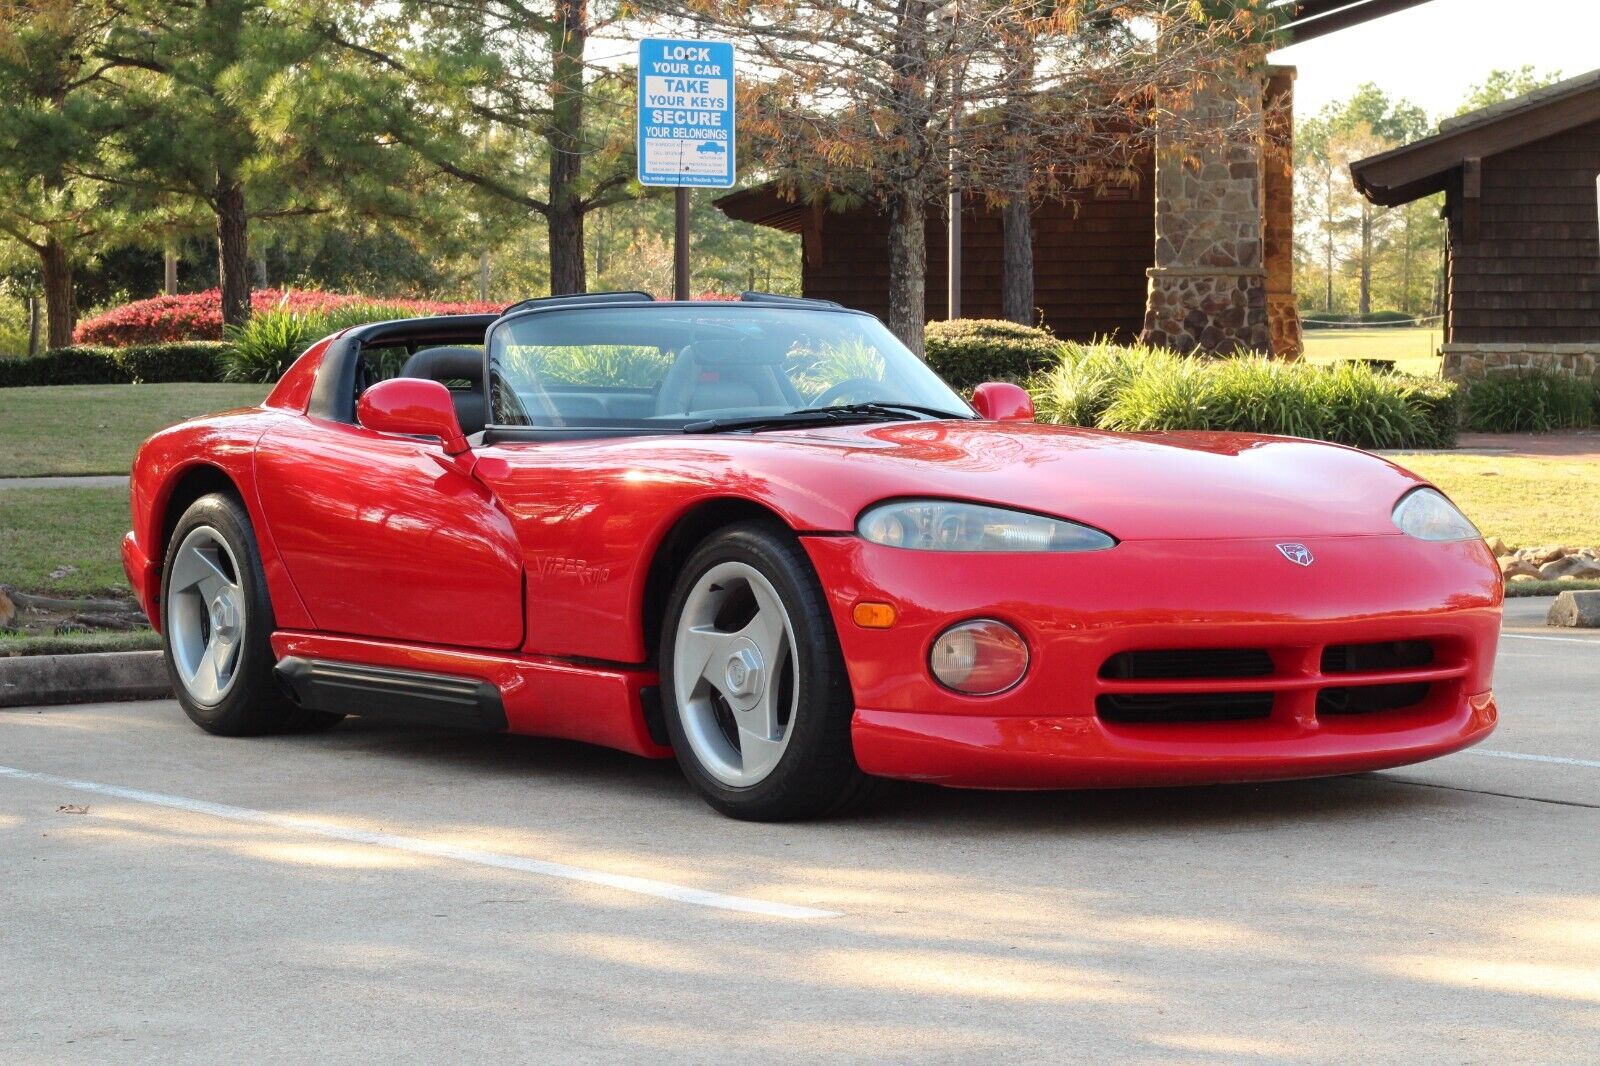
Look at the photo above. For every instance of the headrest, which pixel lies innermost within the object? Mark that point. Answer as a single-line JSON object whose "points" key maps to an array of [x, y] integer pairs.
{"points": [[445, 364]]}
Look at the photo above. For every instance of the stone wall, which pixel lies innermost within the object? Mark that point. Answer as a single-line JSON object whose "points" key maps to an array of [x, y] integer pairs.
{"points": [[1208, 288], [1467, 361]]}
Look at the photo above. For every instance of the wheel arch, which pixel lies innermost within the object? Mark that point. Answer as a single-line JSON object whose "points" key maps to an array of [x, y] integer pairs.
{"points": [[187, 486], [688, 532]]}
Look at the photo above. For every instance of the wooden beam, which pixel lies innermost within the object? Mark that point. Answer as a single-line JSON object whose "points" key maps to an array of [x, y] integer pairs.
{"points": [[1318, 19]]}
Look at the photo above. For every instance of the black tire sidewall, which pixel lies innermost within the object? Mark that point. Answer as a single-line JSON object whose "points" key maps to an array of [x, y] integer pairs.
{"points": [[817, 772], [252, 704]]}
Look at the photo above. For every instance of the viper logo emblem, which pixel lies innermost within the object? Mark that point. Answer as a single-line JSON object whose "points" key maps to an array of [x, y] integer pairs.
{"points": [[1298, 554]]}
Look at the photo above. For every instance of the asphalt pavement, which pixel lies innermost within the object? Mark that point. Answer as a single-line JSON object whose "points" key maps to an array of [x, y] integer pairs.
{"points": [[381, 892]]}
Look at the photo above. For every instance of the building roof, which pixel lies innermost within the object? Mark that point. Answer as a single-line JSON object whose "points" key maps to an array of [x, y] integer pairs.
{"points": [[1305, 20], [1403, 174], [766, 205]]}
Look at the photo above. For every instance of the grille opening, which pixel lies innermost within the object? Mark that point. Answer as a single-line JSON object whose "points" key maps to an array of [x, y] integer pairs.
{"points": [[1387, 655], [1370, 699], [1172, 663], [1184, 707]]}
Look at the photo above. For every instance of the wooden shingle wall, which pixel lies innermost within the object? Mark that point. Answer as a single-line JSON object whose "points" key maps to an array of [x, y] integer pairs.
{"points": [[1525, 258]]}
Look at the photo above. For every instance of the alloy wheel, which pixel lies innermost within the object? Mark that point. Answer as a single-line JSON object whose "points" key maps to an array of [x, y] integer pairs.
{"points": [[206, 615], [734, 674]]}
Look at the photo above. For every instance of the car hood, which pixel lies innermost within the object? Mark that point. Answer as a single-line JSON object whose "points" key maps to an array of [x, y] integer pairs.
{"points": [[1155, 486]]}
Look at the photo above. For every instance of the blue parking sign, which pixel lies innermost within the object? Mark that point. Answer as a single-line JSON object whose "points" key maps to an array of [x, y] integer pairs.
{"points": [[686, 113]]}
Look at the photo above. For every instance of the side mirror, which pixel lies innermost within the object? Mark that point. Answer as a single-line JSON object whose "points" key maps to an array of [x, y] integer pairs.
{"points": [[1001, 401], [415, 407]]}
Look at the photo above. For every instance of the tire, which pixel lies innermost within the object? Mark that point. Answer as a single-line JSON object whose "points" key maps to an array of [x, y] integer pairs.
{"points": [[216, 627], [766, 738]]}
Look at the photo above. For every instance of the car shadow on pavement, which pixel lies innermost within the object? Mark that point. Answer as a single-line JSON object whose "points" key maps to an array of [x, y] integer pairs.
{"points": [[898, 804]]}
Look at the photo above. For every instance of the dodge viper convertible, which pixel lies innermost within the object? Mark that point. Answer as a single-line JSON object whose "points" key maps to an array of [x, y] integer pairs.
{"points": [[763, 538]]}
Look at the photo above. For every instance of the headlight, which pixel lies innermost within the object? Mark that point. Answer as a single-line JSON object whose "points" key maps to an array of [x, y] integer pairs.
{"points": [[944, 525], [1427, 515]]}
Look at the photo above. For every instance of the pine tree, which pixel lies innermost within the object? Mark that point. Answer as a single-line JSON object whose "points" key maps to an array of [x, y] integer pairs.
{"points": [[53, 133]]}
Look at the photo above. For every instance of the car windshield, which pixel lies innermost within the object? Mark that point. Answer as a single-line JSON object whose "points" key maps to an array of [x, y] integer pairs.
{"points": [[667, 367]]}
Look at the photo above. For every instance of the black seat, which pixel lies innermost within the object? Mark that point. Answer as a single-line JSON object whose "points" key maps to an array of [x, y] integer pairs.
{"points": [[451, 366]]}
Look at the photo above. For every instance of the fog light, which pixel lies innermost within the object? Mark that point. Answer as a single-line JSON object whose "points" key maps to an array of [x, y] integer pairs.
{"points": [[979, 658]]}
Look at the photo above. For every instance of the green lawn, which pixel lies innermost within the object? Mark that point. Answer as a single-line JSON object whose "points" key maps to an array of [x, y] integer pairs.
{"points": [[95, 429], [1524, 501], [42, 530], [1414, 350], [73, 643]]}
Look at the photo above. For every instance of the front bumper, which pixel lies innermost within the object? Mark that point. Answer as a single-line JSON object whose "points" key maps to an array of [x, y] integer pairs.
{"points": [[1077, 611], [144, 577]]}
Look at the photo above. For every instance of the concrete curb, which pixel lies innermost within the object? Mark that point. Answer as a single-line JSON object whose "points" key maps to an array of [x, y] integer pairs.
{"points": [[95, 677], [1575, 610]]}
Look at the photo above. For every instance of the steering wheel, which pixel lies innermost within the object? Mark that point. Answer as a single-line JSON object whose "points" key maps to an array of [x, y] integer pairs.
{"points": [[832, 394]]}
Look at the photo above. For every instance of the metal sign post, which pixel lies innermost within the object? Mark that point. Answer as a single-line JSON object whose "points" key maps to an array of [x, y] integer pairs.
{"points": [[686, 128]]}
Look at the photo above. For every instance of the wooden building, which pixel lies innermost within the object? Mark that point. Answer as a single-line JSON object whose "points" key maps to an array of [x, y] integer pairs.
{"points": [[1521, 181], [1091, 254], [1197, 254]]}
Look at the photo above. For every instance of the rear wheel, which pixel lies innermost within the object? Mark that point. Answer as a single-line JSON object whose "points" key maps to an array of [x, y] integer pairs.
{"points": [[216, 626], [758, 704]]}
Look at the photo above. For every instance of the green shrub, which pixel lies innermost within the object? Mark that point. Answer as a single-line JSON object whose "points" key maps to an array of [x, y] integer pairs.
{"points": [[1143, 389], [177, 361], [1168, 396], [1080, 386], [1537, 401], [1363, 407], [80, 364], [86, 364], [966, 352], [1439, 404], [264, 347]]}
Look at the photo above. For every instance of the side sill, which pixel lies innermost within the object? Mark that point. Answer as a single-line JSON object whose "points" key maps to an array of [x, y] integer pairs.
{"points": [[434, 699]]}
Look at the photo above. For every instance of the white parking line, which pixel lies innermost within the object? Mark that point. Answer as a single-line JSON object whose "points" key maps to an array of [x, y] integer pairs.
{"points": [[642, 885], [1563, 640], [1524, 757]]}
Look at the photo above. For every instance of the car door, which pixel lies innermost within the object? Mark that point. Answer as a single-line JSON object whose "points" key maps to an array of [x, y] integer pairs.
{"points": [[388, 537]]}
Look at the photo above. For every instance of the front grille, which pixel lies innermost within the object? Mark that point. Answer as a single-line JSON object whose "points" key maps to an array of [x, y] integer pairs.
{"points": [[1375, 658], [1170, 663], [1368, 699], [1174, 685], [1132, 708]]}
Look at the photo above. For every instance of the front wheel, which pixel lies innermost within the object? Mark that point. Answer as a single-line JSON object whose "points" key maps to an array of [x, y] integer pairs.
{"points": [[216, 626], [758, 704]]}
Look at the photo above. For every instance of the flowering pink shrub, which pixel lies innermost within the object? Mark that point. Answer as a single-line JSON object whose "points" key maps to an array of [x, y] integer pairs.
{"points": [[198, 315]]}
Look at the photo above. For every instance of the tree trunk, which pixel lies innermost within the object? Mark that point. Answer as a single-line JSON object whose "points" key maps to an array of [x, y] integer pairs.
{"points": [[1016, 219], [567, 261], [169, 279], [233, 250], [1327, 248], [565, 217], [33, 326], [1366, 260], [1016, 294], [61, 312], [908, 271]]}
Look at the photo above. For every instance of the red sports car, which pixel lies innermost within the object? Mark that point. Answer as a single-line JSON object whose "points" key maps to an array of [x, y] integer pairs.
{"points": [[764, 538]]}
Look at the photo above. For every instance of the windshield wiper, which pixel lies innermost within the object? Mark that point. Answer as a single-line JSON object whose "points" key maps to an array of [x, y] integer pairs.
{"points": [[873, 411], [888, 407]]}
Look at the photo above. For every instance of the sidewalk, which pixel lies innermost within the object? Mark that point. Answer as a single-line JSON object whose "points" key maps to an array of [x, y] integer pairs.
{"points": [[87, 481], [1580, 444]]}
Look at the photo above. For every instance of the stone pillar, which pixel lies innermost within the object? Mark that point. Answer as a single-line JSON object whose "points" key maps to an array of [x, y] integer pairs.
{"points": [[1208, 291], [1277, 203]]}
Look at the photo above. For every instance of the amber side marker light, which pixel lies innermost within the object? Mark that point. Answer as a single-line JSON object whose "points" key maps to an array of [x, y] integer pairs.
{"points": [[875, 615]]}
